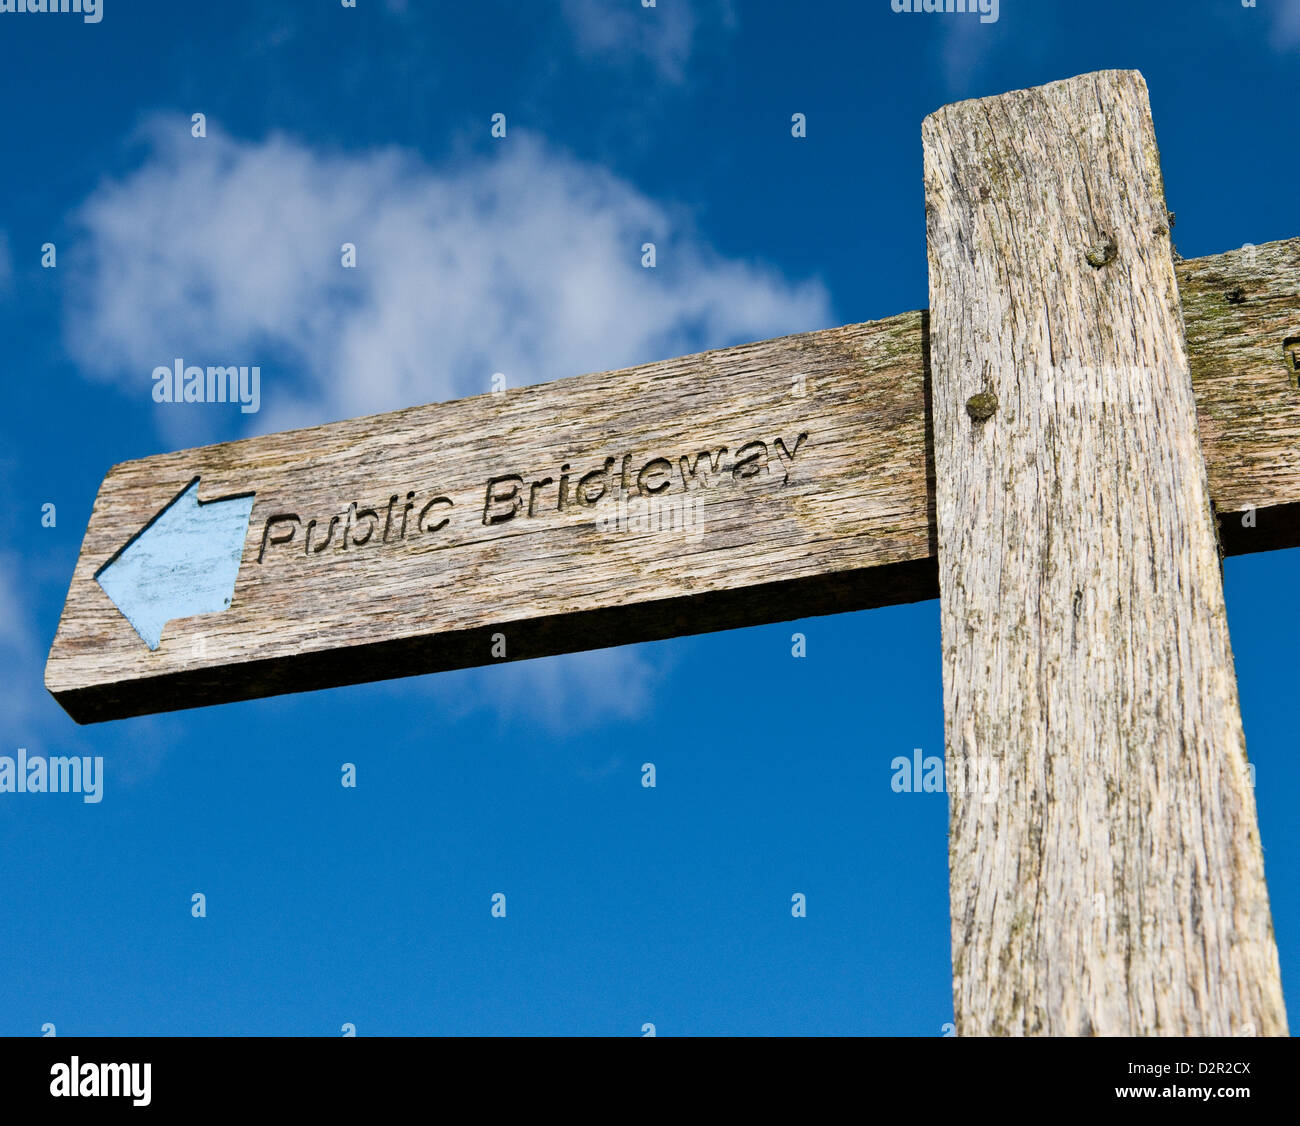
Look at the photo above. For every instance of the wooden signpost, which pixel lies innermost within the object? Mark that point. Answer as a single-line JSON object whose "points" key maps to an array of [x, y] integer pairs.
{"points": [[1041, 450]]}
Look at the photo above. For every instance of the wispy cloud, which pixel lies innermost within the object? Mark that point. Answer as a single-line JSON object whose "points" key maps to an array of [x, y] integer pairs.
{"points": [[527, 262], [1286, 24], [569, 693], [664, 35]]}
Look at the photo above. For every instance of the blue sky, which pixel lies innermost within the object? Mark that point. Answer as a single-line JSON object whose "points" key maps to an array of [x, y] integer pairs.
{"points": [[371, 905]]}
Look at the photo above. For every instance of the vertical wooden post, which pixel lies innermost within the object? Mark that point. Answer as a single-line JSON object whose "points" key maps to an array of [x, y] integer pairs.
{"points": [[1106, 871]]}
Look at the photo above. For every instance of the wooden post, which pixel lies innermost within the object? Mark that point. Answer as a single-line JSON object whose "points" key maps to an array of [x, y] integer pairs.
{"points": [[1106, 871]]}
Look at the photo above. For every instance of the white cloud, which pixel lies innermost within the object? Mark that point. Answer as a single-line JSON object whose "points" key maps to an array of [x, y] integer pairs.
{"points": [[1286, 24], [528, 262], [568, 693], [971, 51], [664, 35]]}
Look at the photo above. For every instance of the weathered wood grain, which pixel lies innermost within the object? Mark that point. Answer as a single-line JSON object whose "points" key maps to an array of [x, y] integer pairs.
{"points": [[1106, 876], [825, 518], [853, 528], [1242, 309]]}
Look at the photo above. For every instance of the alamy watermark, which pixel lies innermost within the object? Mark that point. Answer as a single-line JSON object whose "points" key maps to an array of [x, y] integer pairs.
{"points": [[91, 11], [681, 513], [75, 1079], [54, 775], [181, 384], [987, 10], [925, 774], [1090, 389]]}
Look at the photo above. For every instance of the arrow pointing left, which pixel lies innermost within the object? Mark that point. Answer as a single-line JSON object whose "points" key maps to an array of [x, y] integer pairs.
{"points": [[183, 562]]}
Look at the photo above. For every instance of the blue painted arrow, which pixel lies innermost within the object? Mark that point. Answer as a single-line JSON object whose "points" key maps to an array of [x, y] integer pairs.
{"points": [[183, 562]]}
